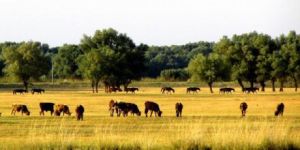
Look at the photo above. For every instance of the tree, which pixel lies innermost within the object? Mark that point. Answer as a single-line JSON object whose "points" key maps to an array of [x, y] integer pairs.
{"points": [[26, 61], [266, 46], [112, 58], [291, 49], [209, 69], [65, 65]]}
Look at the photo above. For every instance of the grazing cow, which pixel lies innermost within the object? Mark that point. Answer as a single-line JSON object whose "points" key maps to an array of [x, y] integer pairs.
{"points": [[151, 106], [21, 91], [131, 89], [79, 112], [178, 108], [249, 90], [46, 107], [168, 89], [111, 107], [226, 90], [279, 110], [37, 90], [243, 107], [20, 108], [125, 108], [192, 89], [61, 108]]}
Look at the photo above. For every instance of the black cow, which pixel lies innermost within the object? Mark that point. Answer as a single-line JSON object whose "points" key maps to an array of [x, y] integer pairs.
{"points": [[178, 108], [279, 110], [249, 90], [20, 108], [37, 90], [152, 106], [46, 107], [79, 112], [168, 89], [124, 108], [226, 90], [131, 89], [243, 107], [192, 89], [20, 91]]}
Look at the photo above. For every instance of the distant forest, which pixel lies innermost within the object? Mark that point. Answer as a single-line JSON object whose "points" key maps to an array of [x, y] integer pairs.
{"points": [[113, 59]]}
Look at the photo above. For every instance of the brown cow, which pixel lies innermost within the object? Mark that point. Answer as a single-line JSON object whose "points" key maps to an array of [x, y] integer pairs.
{"points": [[20, 108], [61, 108], [178, 108], [111, 107], [168, 89], [279, 110], [152, 106], [243, 107], [79, 112], [46, 107]]}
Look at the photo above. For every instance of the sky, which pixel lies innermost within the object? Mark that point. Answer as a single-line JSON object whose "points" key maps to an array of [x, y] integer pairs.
{"points": [[153, 22]]}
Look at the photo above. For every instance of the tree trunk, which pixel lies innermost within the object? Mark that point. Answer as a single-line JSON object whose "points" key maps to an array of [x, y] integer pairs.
{"points": [[273, 85], [295, 83], [251, 84], [263, 85], [97, 85], [210, 87], [93, 86], [25, 83], [241, 83], [281, 86]]}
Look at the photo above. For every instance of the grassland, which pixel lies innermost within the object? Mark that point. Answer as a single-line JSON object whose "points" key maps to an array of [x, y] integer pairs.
{"points": [[210, 121]]}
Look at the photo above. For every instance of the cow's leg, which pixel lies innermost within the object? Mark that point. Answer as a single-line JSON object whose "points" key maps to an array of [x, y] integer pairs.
{"points": [[52, 112], [146, 112], [12, 111], [151, 113]]}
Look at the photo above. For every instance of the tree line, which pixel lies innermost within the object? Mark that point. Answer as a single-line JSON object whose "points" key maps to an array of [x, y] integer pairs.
{"points": [[113, 59]]}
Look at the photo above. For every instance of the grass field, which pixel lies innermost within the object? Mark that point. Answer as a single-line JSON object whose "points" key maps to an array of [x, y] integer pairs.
{"points": [[210, 121]]}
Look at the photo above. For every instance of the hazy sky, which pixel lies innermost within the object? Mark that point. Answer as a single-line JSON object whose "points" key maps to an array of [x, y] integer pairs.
{"points": [[154, 22]]}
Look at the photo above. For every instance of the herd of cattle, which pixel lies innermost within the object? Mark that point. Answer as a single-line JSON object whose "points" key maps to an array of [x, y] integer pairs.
{"points": [[164, 90], [124, 107], [119, 108]]}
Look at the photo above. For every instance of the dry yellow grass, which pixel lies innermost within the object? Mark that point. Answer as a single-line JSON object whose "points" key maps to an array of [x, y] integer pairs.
{"points": [[209, 121]]}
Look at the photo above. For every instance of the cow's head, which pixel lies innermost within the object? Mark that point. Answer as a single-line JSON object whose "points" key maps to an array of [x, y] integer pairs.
{"points": [[159, 113], [27, 113], [139, 113]]}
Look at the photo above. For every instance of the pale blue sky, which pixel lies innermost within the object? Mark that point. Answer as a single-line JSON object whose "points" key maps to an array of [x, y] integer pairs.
{"points": [[154, 22]]}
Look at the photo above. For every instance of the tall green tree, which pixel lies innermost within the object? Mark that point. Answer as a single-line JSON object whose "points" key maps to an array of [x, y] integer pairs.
{"points": [[26, 61], [65, 64], [112, 58], [209, 68]]}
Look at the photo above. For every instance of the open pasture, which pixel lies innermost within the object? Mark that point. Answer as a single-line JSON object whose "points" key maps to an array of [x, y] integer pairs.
{"points": [[211, 121]]}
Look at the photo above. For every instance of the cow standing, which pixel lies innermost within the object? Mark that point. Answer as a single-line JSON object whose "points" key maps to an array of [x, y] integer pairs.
{"points": [[61, 108], [243, 107], [20, 91], [79, 112], [192, 89], [152, 106], [168, 89], [124, 108], [20, 108], [111, 107], [131, 89], [226, 90], [46, 107], [279, 110], [37, 90], [178, 108]]}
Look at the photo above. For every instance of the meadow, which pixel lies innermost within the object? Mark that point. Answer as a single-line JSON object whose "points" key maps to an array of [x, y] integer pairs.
{"points": [[210, 121]]}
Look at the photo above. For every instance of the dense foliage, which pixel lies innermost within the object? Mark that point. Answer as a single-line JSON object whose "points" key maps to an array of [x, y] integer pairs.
{"points": [[113, 59]]}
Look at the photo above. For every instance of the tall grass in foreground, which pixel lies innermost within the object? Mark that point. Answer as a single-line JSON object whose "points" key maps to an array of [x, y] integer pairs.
{"points": [[143, 133]]}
